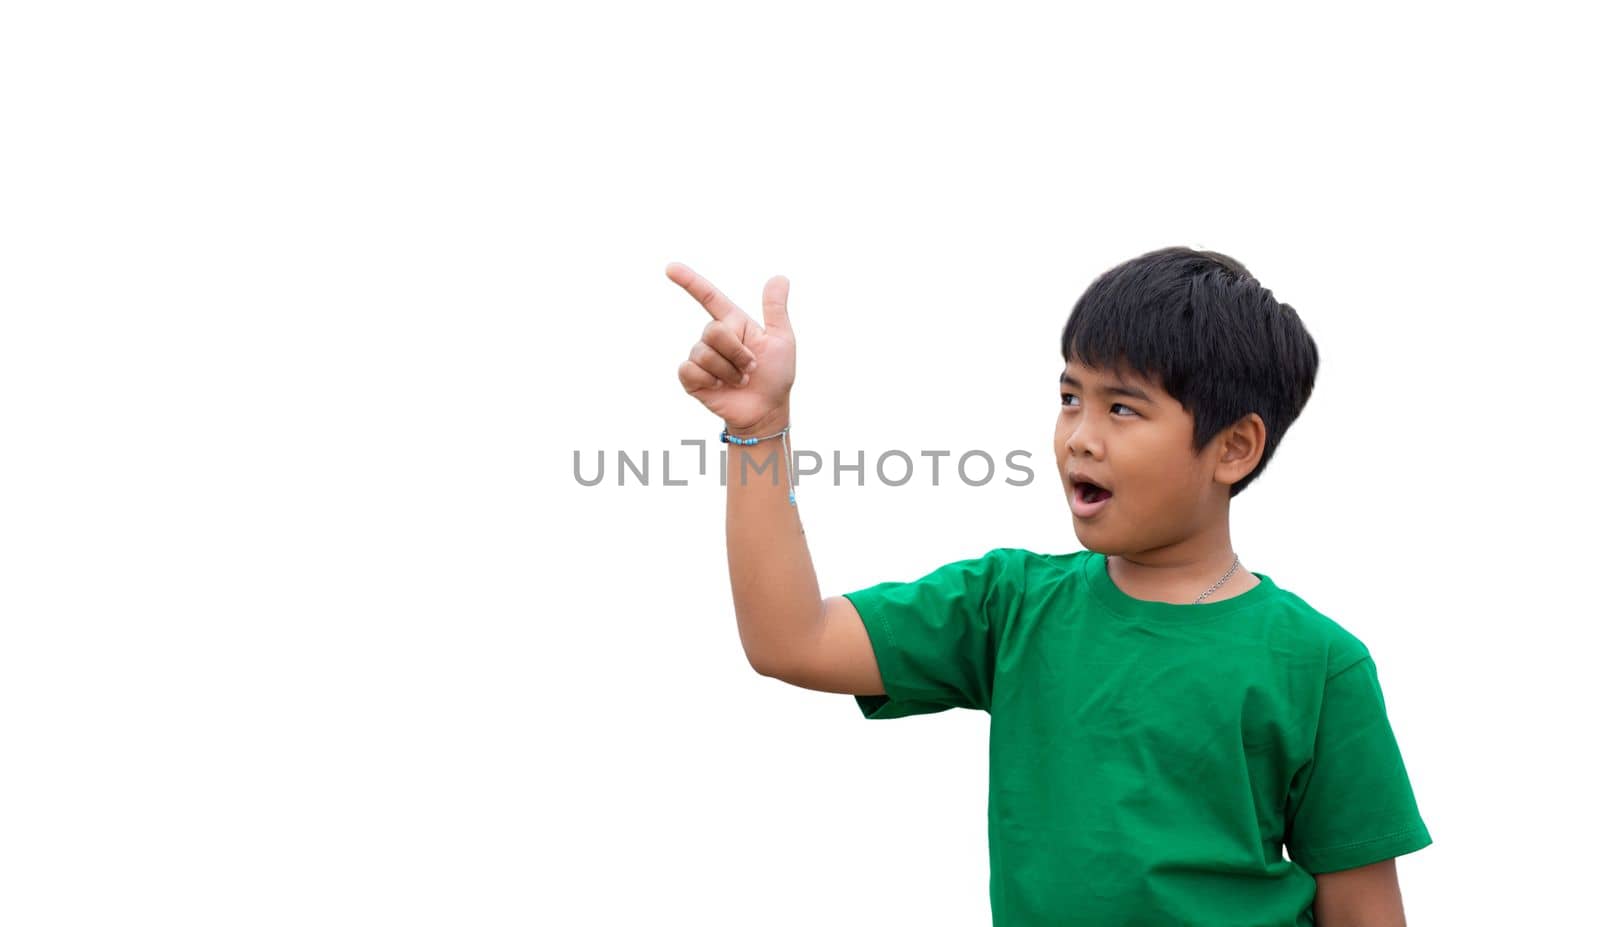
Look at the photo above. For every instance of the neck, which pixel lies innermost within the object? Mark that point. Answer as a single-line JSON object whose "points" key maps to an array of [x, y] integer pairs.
{"points": [[1179, 572]]}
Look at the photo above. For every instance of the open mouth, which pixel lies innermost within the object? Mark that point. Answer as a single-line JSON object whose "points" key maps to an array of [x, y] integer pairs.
{"points": [[1088, 498]]}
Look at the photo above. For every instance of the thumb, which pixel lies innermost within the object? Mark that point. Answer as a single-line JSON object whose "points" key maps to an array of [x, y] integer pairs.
{"points": [[775, 304]]}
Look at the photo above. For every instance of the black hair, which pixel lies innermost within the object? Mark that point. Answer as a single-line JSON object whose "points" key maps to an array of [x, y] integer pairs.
{"points": [[1200, 325]]}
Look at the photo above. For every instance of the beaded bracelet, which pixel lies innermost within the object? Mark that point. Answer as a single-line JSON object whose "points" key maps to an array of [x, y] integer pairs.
{"points": [[788, 461]]}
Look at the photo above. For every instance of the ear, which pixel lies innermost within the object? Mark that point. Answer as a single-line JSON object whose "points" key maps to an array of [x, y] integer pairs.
{"points": [[1240, 448]]}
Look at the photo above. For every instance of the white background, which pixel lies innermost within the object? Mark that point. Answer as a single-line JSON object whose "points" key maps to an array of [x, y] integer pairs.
{"points": [[307, 307]]}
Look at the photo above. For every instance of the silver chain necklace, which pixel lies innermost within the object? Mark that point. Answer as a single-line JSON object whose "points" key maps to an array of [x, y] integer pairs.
{"points": [[1220, 581]]}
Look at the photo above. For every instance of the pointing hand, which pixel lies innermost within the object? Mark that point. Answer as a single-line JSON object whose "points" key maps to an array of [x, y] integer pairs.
{"points": [[741, 370]]}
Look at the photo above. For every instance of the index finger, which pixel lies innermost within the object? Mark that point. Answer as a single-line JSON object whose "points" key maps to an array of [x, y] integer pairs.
{"points": [[701, 289]]}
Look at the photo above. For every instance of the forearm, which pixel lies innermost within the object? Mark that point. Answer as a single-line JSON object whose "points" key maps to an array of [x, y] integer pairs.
{"points": [[775, 594]]}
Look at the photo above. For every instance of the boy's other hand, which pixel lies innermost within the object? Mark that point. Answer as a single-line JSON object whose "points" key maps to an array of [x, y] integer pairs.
{"points": [[739, 369]]}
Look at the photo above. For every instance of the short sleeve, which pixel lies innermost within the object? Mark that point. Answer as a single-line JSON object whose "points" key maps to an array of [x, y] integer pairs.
{"points": [[1351, 804], [935, 637]]}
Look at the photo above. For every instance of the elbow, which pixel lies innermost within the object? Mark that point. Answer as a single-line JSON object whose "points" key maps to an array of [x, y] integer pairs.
{"points": [[763, 666]]}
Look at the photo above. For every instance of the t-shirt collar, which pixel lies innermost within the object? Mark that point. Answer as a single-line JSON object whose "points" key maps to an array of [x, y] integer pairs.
{"points": [[1113, 598]]}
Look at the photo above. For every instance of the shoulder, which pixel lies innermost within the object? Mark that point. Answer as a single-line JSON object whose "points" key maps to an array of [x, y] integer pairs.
{"points": [[1312, 634], [971, 573], [1016, 570], [1035, 580], [1033, 559], [1031, 568]]}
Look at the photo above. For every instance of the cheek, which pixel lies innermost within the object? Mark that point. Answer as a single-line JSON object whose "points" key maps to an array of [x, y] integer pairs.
{"points": [[1170, 481], [1155, 473]]}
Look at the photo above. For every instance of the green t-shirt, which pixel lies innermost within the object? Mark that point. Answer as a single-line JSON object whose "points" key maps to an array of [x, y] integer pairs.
{"points": [[1149, 762]]}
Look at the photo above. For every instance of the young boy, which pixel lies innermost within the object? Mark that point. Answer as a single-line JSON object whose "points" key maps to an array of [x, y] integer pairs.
{"points": [[1164, 722]]}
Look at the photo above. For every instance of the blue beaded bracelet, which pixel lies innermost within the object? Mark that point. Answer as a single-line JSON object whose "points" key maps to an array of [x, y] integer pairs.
{"points": [[788, 461], [735, 439]]}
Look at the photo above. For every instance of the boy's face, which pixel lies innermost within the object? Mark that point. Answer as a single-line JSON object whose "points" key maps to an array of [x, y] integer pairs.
{"points": [[1127, 434]]}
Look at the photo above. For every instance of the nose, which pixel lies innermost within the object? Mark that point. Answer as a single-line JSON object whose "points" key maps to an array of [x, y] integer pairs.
{"points": [[1082, 440]]}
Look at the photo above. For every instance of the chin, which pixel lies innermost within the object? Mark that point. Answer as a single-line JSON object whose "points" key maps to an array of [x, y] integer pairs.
{"points": [[1091, 542]]}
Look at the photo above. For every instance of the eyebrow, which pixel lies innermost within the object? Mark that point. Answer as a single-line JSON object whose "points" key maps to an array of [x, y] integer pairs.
{"points": [[1115, 389]]}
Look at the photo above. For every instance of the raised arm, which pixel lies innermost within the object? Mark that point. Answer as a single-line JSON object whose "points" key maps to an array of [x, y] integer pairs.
{"points": [[743, 372]]}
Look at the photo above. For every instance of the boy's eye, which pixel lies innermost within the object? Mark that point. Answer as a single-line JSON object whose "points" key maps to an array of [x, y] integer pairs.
{"points": [[1114, 405]]}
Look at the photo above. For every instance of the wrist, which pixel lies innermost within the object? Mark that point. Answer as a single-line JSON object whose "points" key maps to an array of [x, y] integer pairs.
{"points": [[771, 423]]}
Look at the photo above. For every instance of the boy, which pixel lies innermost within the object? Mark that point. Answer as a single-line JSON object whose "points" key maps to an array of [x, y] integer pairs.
{"points": [[1164, 722]]}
